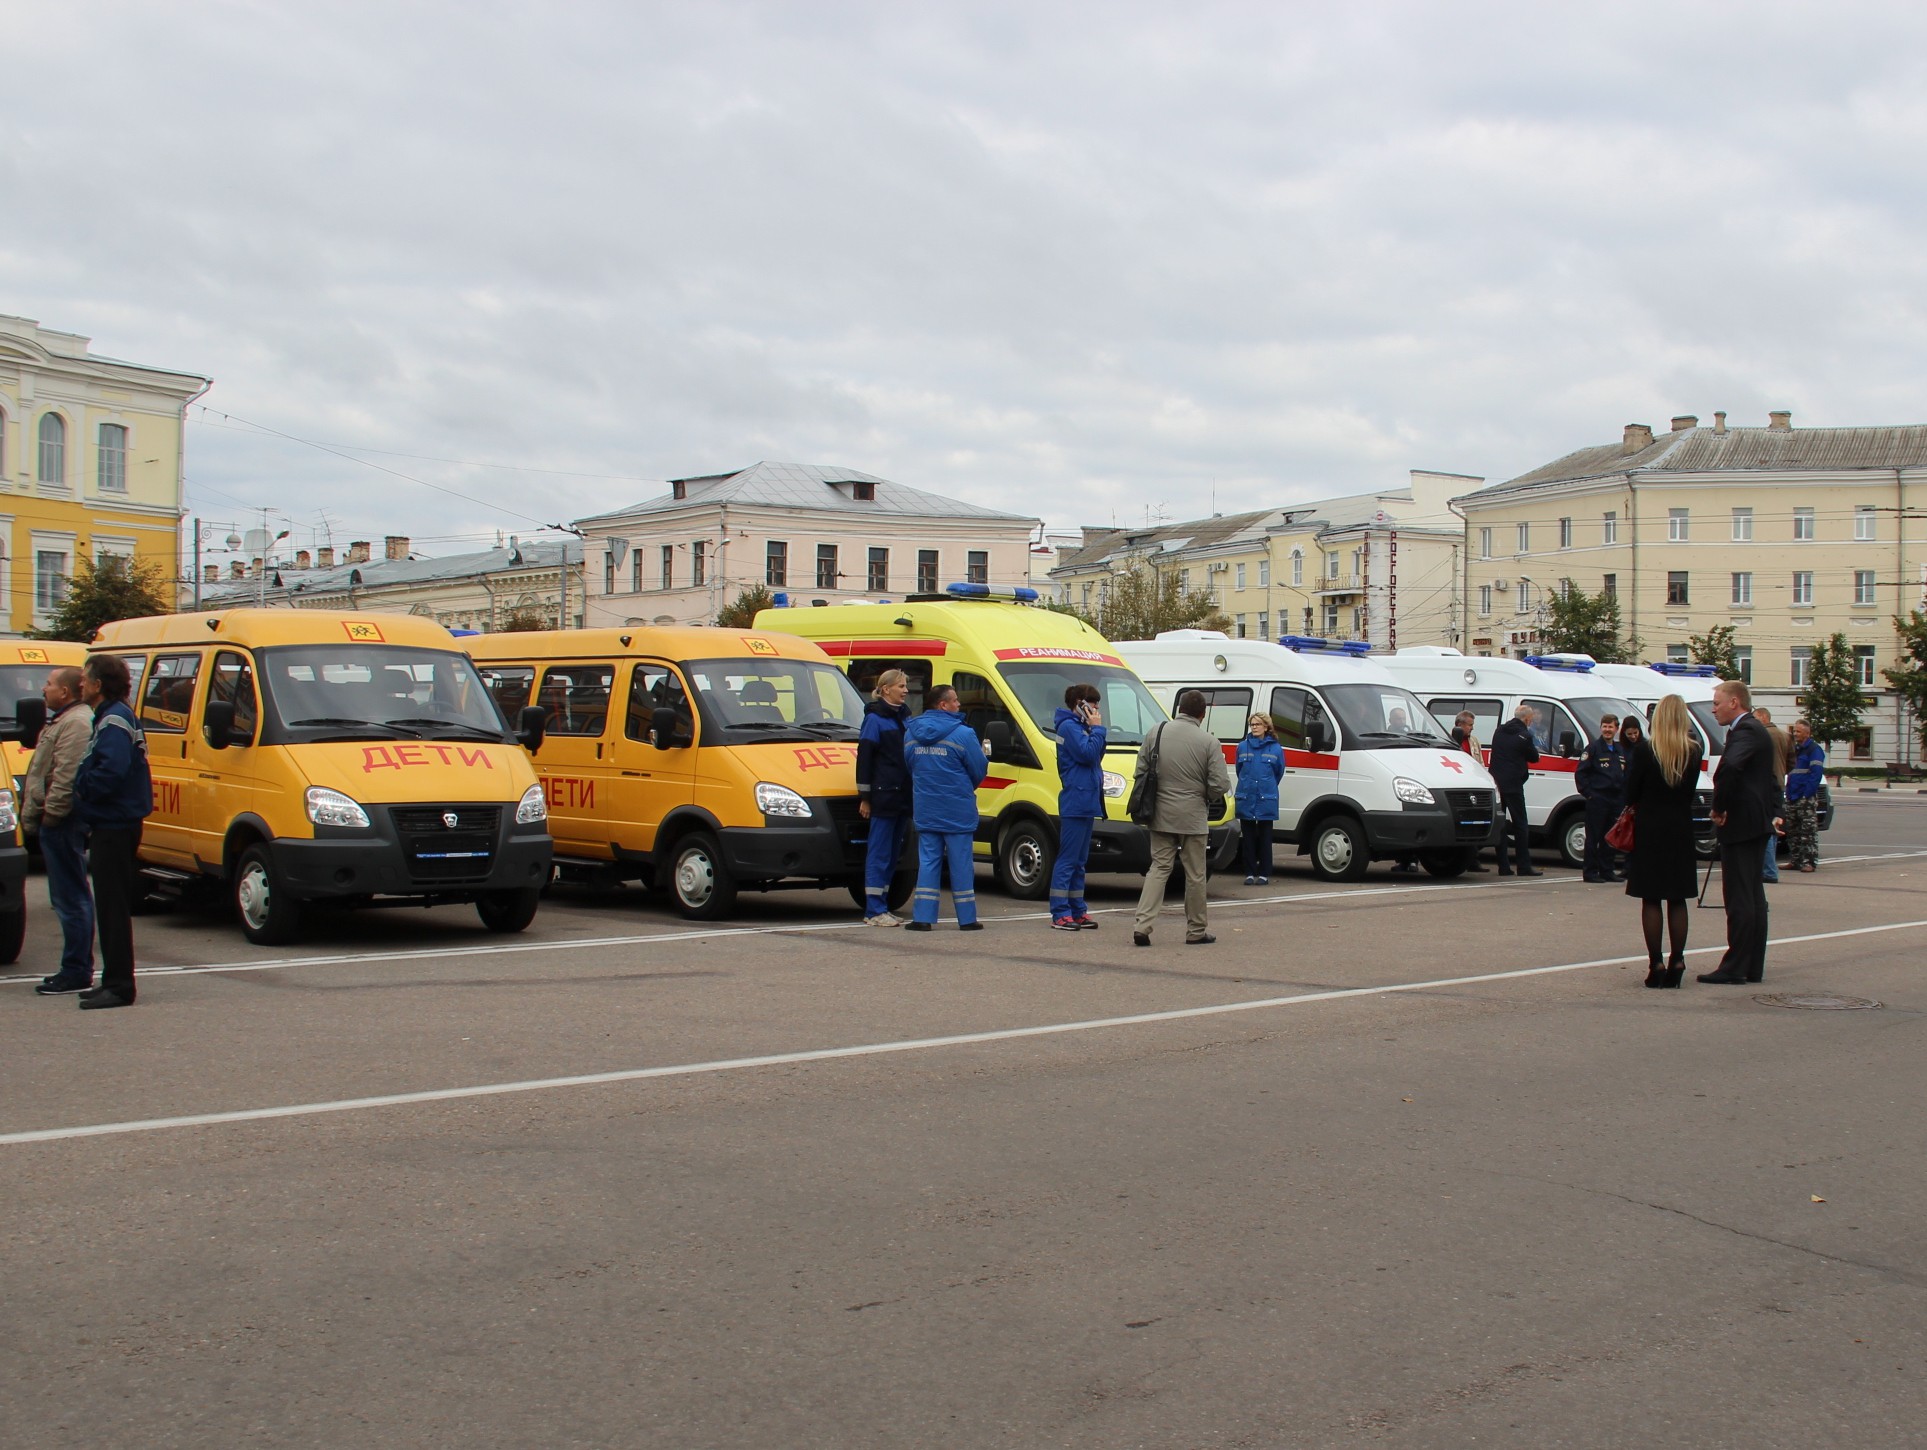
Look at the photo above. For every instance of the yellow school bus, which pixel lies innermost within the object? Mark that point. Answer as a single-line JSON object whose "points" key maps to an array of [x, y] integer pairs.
{"points": [[302, 756], [23, 671], [706, 760]]}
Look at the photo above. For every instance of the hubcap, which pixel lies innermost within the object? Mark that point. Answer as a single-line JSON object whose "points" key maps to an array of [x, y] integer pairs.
{"points": [[695, 878], [1335, 850], [1027, 860], [251, 896]]}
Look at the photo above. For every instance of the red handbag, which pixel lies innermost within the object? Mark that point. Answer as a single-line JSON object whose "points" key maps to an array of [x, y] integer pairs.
{"points": [[1620, 837]]}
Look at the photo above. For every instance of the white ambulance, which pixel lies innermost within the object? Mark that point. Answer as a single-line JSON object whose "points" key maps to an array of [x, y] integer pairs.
{"points": [[1368, 773], [1567, 703]]}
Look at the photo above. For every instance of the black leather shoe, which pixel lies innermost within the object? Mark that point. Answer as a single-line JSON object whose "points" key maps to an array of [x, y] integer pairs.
{"points": [[1505, 870], [1140, 938], [1200, 941], [101, 997], [1722, 979], [916, 926], [970, 926], [1524, 872], [55, 987]]}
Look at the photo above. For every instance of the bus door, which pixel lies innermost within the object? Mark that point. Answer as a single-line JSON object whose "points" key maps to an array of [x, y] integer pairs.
{"points": [[577, 773], [649, 782]]}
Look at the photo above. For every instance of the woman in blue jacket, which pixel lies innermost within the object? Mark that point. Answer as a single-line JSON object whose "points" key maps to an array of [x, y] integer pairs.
{"points": [[1261, 765], [883, 791], [1080, 803]]}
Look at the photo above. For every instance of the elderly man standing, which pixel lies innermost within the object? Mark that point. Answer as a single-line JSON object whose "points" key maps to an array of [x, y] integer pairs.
{"points": [[47, 807], [1747, 810], [1190, 774], [1514, 753], [113, 794]]}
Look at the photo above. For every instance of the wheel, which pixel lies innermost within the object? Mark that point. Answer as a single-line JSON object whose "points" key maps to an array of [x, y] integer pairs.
{"points": [[269, 916], [902, 886], [1025, 852], [1570, 837], [701, 883], [1445, 864], [1338, 851], [13, 932], [508, 911]]}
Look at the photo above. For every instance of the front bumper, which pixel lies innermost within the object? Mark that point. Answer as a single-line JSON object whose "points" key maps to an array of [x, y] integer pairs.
{"points": [[1125, 846], [392, 861], [1453, 826], [13, 878]]}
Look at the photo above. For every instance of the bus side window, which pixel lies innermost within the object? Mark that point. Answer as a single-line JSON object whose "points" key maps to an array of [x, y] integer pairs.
{"points": [[863, 674], [168, 698], [982, 705], [654, 688], [233, 681], [511, 685], [1551, 725], [1288, 716], [136, 667], [1227, 710], [577, 698]]}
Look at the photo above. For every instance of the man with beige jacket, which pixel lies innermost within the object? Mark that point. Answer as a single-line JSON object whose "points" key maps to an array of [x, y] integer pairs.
{"points": [[47, 806], [1190, 774]]}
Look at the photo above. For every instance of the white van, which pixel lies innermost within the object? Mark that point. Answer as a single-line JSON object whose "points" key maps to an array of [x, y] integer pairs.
{"points": [[1647, 685], [1567, 702], [1368, 773]]}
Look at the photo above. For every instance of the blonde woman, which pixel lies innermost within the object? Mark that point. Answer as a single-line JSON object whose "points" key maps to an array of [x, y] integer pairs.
{"points": [[1660, 783]]}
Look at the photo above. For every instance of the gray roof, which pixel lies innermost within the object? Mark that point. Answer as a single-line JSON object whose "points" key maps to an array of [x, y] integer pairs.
{"points": [[388, 573], [1705, 450], [806, 485]]}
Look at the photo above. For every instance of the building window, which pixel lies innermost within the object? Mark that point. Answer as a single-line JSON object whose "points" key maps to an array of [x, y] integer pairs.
{"points": [[1743, 657], [1742, 526], [1485, 543], [111, 474], [1742, 588], [1678, 523], [1331, 618], [1240, 574], [53, 448], [49, 580], [1240, 622], [1525, 599], [977, 566], [678, 488], [1358, 623], [1863, 666], [1863, 528], [879, 570], [826, 566], [1863, 586], [609, 573], [1525, 538], [1803, 587], [669, 566], [1331, 565], [1799, 658], [776, 563], [699, 562], [635, 572], [1676, 590], [1803, 523], [1264, 624], [1565, 533], [1676, 654], [1860, 744], [927, 574], [863, 491], [1485, 599], [1609, 527], [1609, 586]]}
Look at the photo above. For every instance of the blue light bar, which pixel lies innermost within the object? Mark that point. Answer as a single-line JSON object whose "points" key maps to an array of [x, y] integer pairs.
{"points": [[1018, 595], [1317, 644], [1554, 662], [1681, 670], [780, 600]]}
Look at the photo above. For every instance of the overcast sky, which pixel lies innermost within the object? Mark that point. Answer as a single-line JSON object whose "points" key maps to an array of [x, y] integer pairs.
{"points": [[1079, 261]]}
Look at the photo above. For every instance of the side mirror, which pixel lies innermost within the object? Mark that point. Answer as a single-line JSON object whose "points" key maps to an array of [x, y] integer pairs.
{"points": [[530, 726], [217, 724], [1318, 736], [1568, 743], [662, 725], [29, 719], [997, 732]]}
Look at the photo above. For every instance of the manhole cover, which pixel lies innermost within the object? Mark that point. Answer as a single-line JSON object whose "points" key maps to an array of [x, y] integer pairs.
{"points": [[1817, 1001]]}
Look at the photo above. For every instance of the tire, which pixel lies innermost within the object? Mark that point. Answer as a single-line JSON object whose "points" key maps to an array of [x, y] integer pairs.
{"points": [[13, 935], [902, 885], [508, 911], [1445, 864], [1570, 838], [268, 915], [1338, 850], [698, 879], [1026, 850]]}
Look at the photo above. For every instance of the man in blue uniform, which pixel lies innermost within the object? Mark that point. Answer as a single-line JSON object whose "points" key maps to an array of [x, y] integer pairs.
{"points": [[947, 765], [1601, 779], [1080, 802]]}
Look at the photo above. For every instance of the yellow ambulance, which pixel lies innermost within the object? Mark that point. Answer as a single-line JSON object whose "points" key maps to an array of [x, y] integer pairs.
{"points": [[303, 756], [707, 760], [1010, 663]]}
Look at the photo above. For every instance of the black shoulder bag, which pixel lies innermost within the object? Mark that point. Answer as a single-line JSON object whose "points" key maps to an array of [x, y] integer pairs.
{"points": [[1143, 803]]}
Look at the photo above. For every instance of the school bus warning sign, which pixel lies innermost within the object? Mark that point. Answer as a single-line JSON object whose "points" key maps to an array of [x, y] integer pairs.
{"points": [[361, 631], [758, 646], [31, 656]]}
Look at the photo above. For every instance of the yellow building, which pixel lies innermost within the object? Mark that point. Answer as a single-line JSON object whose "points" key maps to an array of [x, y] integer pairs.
{"points": [[90, 464]]}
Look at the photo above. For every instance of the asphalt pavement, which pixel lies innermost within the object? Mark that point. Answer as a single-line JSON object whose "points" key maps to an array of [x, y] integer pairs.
{"points": [[1399, 1163]]}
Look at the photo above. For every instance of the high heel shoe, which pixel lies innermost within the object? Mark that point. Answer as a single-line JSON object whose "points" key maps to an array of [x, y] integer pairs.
{"points": [[1675, 970], [1655, 972]]}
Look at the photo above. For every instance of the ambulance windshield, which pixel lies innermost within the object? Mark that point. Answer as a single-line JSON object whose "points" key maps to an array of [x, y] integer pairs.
{"points": [[1384, 717], [1128, 709], [377, 692], [777, 699]]}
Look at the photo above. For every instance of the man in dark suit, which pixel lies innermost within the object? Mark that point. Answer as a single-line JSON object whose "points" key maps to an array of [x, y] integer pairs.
{"points": [[1747, 811], [1513, 755]]}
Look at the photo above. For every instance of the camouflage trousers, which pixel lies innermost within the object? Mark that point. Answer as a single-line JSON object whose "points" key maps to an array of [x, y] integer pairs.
{"points": [[1803, 832]]}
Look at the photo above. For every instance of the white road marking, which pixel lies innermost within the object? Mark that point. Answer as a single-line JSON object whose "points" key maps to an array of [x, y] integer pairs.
{"points": [[874, 1049]]}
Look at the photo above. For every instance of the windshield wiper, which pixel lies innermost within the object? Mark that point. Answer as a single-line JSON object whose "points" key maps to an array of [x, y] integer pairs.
{"points": [[340, 720], [474, 732], [760, 725]]}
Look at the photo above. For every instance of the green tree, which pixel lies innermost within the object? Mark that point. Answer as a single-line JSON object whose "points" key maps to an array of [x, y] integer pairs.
{"points": [[1582, 623], [117, 587], [1832, 701], [740, 612], [1716, 648], [524, 619], [1909, 677], [1141, 603]]}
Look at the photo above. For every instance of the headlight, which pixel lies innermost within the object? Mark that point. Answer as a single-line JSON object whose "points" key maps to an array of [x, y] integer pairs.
{"points": [[1115, 786], [533, 807], [9, 817], [1411, 792], [780, 800], [332, 808]]}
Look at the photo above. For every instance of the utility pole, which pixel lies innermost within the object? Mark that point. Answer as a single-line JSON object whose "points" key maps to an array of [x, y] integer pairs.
{"points": [[197, 567]]}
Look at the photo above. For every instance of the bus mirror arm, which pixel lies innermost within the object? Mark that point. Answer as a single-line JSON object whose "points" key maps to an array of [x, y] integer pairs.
{"points": [[531, 726], [217, 724], [29, 719]]}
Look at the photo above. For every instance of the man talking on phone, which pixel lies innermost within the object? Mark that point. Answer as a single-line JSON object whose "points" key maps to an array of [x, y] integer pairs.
{"points": [[1080, 802]]}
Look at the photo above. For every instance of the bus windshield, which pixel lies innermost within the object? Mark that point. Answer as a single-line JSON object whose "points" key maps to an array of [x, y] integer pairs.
{"points": [[771, 698], [377, 692], [1128, 709]]}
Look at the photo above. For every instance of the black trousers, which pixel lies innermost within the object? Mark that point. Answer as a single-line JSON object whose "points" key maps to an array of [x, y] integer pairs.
{"points": [[1255, 846], [1513, 801], [1600, 815], [1744, 895], [112, 863]]}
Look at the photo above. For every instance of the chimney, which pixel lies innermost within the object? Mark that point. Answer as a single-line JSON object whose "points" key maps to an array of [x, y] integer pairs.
{"points": [[326, 558], [237, 570], [1719, 423], [358, 552], [303, 559], [1639, 436], [211, 574], [394, 546], [1779, 422], [1683, 421]]}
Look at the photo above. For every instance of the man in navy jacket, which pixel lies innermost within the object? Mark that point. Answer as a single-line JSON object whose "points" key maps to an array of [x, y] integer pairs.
{"points": [[1514, 753], [113, 794], [1602, 781], [883, 791], [946, 767]]}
